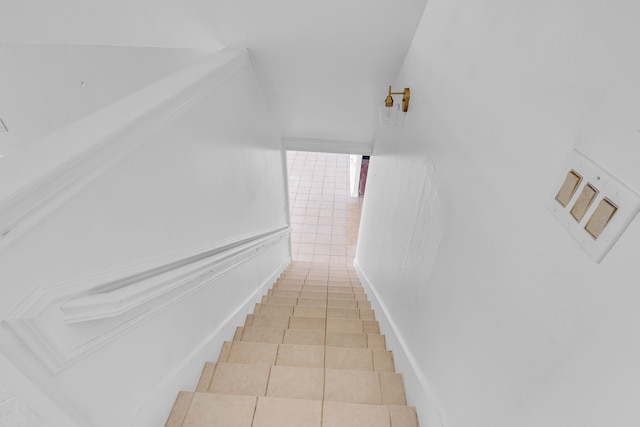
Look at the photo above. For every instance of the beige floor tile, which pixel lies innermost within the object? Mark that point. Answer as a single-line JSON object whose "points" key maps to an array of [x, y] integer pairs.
{"points": [[341, 295], [296, 383], [281, 300], [288, 287], [237, 336], [282, 412], [343, 313], [403, 416], [304, 337], [344, 325], [316, 288], [313, 294], [284, 293], [308, 356], [370, 327], [364, 304], [206, 377], [392, 387], [306, 311], [383, 361], [236, 378], [219, 410], [179, 410], [249, 320], [352, 386], [349, 358], [311, 280], [274, 309], [265, 335], [343, 288], [367, 314], [376, 341], [224, 352], [253, 352], [338, 303], [269, 321], [342, 339], [312, 302], [308, 323], [339, 414]]}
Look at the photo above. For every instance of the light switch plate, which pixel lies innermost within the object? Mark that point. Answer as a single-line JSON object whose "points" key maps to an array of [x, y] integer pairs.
{"points": [[625, 200]]}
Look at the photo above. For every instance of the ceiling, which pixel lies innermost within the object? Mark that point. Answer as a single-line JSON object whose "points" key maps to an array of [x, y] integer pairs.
{"points": [[324, 66]]}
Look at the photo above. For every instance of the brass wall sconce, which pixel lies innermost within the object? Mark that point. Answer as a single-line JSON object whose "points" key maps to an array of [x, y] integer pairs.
{"points": [[388, 112]]}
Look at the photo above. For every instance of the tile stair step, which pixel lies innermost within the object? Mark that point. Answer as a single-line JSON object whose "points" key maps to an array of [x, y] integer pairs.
{"points": [[313, 311], [338, 385], [307, 337], [319, 283], [309, 356], [214, 409], [312, 323], [316, 302], [315, 288], [320, 290], [347, 294]]}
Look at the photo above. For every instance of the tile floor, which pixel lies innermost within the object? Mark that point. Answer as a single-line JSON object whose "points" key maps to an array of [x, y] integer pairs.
{"points": [[324, 217]]}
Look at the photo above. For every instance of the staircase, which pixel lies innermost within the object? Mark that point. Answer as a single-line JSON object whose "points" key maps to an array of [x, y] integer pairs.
{"points": [[311, 355]]}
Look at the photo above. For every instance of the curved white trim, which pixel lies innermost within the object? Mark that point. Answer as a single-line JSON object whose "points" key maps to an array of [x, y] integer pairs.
{"points": [[132, 291], [146, 290]]}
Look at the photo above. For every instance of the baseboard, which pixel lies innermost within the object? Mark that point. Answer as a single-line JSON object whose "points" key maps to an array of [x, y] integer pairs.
{"points": [[155, 410], [418, 390]]}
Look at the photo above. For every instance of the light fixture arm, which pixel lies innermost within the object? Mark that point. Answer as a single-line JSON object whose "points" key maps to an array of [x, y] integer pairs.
{"points": [[406, 95]]}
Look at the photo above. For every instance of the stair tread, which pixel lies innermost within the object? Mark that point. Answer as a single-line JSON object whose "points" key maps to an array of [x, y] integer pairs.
{"points": [[342, 385], [309, 337], [312, 323], [311, 354], [215, 409]]}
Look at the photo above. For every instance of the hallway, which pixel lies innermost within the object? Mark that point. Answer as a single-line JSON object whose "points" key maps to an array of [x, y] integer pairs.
{"points": [[324, 217]]}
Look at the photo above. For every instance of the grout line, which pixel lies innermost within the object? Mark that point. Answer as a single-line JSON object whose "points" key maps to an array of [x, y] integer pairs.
{"points": [[255, 409]]}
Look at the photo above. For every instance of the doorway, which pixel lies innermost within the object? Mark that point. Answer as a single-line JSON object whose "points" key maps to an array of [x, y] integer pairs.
{"points": [[325, 217]]}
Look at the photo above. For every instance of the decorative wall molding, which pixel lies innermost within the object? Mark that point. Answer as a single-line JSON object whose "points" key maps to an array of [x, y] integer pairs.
{"points": [[327, 145], [64, 322], [44, 175], [426, 403]]}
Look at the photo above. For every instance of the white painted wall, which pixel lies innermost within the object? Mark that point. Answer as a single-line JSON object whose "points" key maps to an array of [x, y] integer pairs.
{"points": [[507, 322], [46, 87], [143, 23], [215, 173]]}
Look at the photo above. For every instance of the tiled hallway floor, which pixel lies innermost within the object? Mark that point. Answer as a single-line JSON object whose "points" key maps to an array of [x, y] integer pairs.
{"points": [[324, 217]]}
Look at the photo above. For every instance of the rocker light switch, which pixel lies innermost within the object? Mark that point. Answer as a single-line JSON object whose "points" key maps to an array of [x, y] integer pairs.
{"points": [[593, 205], [587, 195], [568, 189], [601, 217]]}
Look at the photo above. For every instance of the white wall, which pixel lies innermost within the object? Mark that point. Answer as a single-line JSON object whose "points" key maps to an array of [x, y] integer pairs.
{"points": [[508, 322], [46, 87], [214, 174], [143, 23]]}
